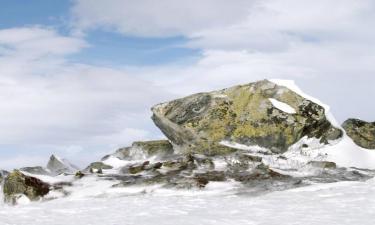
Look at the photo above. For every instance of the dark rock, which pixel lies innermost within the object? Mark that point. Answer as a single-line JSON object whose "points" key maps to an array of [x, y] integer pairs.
{"points": [[243, 114], [261, 172], [17, 183], [361, 132], [212, 175], [79, 174]]}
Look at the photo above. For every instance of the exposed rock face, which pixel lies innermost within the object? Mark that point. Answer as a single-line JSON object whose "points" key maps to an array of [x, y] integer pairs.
{"points": [[362, 133], [58, 166], [146, 149], [243, 114], [16, 183], [97, 167], [3, 174], [36, 170]]}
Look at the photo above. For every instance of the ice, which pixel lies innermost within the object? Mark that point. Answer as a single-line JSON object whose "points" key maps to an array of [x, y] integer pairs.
{"points": [[344, 203], [282, 106]]}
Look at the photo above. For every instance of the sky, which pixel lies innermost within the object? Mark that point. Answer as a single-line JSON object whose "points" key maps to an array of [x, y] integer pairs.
{"points": [[78, 77]]}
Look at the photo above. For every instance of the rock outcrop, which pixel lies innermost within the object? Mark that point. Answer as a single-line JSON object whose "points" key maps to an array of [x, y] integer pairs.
{"points": [[145, 149], [35, 170], [97, 167], [59, 166], [17, 184], [244, 134], [261, 113], [361, 132]]}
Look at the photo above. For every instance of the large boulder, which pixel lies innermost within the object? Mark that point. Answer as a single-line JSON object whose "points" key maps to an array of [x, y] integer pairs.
{"points": [[17, 184], [261, 113], [59, 166], [362, 133]]}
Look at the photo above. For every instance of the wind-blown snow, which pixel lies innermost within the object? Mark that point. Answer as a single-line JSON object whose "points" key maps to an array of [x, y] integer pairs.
{"points": [[346, 153], [292, 86], [282, 106], [334, 204]]}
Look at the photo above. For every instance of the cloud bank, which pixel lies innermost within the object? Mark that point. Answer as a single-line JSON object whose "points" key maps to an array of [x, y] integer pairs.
{"points": [[50, 103]]}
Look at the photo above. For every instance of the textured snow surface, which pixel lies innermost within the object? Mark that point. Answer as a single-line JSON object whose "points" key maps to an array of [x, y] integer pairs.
{"points": [[282, 106], [344, 203]]}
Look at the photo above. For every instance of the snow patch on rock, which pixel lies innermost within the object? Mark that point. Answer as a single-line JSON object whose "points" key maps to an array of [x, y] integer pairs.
{"points": [[292, 86], [282, 106]]}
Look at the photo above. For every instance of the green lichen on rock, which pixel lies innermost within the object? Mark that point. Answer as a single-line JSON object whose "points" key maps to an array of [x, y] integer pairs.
{"points": [[243, 114], [361, 132], [145, 149], [17, 183], [152, 148]]}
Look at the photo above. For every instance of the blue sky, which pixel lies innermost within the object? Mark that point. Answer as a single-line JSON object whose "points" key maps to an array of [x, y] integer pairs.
{"points": [[77, 78], [106, 47]]}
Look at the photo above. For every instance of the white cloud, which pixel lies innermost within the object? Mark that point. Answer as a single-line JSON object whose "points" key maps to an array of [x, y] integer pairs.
{"points": [[10, 163], [327, 46], [84, 111], [49, 104], [158, 18], [34, 42]]}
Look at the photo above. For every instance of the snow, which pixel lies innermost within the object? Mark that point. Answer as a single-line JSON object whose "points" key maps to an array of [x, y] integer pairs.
{"points": [[347, 154], [334, 204], [50, 179], [292, 86], [282, 106], [115, 162]]}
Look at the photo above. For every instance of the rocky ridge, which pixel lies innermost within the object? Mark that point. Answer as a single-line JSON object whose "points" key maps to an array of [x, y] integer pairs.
{"points": [[262, 136]]}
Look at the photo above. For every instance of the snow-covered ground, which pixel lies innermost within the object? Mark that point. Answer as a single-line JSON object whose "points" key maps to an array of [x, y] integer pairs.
{"points": [[344, 203]]}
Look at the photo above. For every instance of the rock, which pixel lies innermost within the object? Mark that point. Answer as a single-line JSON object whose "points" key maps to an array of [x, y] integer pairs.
{"points": [[187, 182], [59, 166], [361, 132], [323, 164], [145, 149], [3, 174], [261, 172], [241, 161], [212, 175], [79, 174], [17, 183], [97, 167], [35, 170], [242, 114], [137, 168]]}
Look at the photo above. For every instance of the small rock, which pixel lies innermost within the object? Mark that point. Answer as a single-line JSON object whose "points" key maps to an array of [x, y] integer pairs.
{"points": [[79, 174], [323, 164], [17, 183], [95, 167], [361, 132]]}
